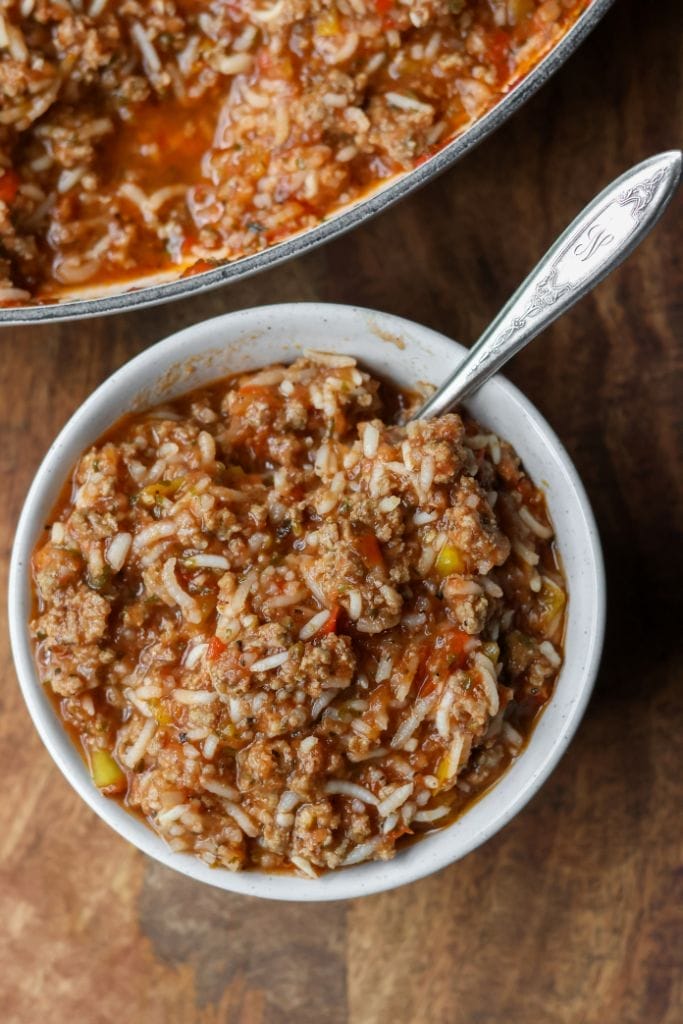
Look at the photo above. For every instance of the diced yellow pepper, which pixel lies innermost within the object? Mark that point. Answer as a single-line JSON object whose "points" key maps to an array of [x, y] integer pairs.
{"points": [[491, 650], [552, 600], [156, 492], [327, 24], [519, 9], [159, 711], [443, 772], [449, 560], [448, 765], [105, 771]]}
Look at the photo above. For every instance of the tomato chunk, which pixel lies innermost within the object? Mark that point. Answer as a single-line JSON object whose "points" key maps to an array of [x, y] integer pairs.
{"points": [[215, 648], [370, 551], [9, 186]]}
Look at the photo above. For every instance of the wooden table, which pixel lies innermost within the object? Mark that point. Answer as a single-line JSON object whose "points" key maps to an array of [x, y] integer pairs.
{"points": [[572, 915]]}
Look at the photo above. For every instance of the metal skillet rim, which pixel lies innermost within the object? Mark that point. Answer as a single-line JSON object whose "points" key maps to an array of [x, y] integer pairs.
{"points": [[338, 224]]}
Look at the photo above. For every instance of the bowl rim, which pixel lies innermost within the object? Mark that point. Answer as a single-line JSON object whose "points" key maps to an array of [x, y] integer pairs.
{"points": [[148, 367], [382, 197]]}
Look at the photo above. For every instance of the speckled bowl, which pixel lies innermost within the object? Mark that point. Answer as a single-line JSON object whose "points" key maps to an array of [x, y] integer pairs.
{"points": [[405, 353]]}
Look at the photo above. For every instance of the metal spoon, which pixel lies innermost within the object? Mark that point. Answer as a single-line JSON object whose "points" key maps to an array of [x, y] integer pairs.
{"points": [[600, 238]]}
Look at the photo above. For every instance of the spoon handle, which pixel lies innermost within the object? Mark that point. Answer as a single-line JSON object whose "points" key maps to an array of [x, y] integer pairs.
{"points": [[600, 238]]}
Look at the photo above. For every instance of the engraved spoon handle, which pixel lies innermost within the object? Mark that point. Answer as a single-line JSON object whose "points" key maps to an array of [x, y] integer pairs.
{"points": [[595, 243]]}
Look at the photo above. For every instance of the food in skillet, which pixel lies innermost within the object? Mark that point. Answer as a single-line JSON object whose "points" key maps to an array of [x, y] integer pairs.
{"points": [[290, 631], [159, 137]]}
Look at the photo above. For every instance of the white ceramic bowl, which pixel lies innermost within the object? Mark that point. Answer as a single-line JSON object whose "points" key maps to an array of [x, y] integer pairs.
{"points": [[405, 353]]}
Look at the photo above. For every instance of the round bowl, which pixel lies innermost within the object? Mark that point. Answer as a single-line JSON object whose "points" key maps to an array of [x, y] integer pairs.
{"points": [[406, 353]]}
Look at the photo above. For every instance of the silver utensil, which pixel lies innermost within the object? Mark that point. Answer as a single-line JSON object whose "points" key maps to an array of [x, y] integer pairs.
{"points": [[600, 238]]}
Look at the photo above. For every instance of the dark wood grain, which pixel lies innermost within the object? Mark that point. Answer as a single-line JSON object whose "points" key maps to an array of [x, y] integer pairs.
{"points": [[573, 914]]}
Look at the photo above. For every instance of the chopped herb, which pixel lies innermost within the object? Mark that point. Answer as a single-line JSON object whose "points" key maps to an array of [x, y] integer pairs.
{"points": [[98, 582]]}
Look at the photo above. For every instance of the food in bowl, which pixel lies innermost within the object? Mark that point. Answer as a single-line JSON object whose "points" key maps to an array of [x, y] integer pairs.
{"points": [[163, 138], [290, 631]]}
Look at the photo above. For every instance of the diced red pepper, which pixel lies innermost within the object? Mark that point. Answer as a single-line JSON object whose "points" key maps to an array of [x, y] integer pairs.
{"points": [[369, 550], [498, 46], [525, 488], [9, 186], [332, 623], [188, 244], [383, 6], [201, 266], [215, 648]]}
